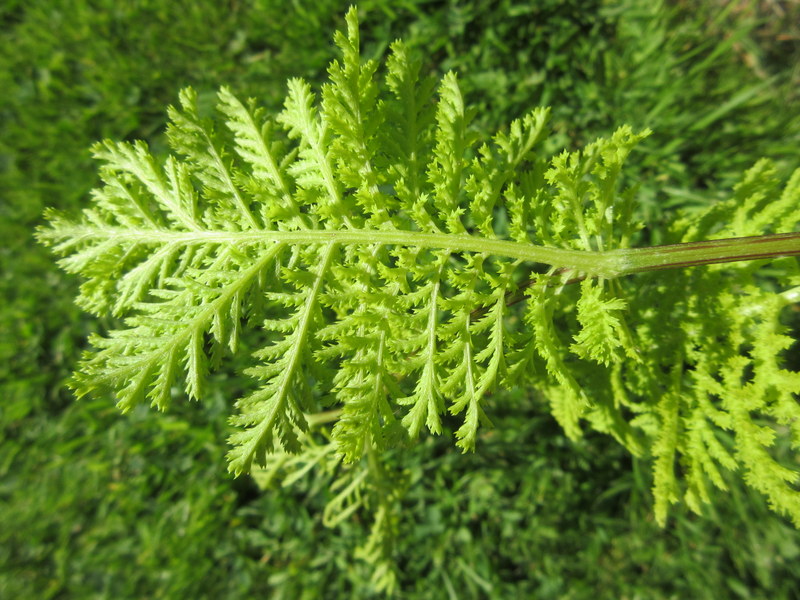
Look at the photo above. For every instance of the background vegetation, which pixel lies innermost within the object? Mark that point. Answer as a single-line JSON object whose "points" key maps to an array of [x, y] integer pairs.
{"points": [[95, 505]]}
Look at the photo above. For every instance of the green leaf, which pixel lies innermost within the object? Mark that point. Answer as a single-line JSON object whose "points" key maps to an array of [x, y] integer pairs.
{"points": [[405, 267]]}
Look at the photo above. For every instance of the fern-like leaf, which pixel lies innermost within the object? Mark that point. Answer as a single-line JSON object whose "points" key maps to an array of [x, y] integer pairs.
{"points": [[384, 245]]}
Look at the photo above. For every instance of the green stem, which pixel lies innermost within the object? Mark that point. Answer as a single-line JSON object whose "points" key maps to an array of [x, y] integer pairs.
{"points": [[691, 254], [688, 254], [608, 264]]}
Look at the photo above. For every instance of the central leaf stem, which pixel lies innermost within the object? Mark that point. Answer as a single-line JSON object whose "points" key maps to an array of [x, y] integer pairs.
{"points": [[608, 264], [691, 254]]}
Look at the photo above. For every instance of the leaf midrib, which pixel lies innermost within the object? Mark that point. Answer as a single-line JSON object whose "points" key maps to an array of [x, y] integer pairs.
{"points": [[603, 264]]}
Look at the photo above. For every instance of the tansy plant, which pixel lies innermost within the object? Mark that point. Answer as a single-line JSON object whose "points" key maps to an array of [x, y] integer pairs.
{"points": [[401, 269]]}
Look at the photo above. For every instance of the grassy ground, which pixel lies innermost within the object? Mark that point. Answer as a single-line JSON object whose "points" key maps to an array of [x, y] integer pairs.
{"points": [[95, 505]]}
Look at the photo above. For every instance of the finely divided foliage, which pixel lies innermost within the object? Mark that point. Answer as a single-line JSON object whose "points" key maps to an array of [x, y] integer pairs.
{"points": [[378, 245]]}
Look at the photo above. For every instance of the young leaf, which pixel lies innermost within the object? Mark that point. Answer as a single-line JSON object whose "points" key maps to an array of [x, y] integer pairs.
{"points": [[404, 268]]}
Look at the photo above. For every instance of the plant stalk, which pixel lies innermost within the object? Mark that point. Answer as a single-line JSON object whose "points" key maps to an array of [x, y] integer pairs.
{"points": [[687, 254], [690, 254], [608, 264]]}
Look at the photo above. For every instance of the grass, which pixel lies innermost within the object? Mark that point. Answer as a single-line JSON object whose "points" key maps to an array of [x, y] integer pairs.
{"points": [[95, 505]]}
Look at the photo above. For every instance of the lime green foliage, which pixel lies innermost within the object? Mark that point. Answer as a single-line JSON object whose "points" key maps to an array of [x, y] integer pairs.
{"points": [[75, 71], [529, 513], [732, 336], [695, 73], [373, 236]]}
